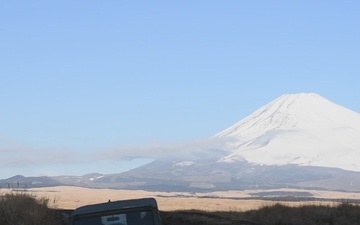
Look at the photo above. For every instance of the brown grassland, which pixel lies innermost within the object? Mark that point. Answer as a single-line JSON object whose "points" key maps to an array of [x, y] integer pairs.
{"points": [[66, 197]]}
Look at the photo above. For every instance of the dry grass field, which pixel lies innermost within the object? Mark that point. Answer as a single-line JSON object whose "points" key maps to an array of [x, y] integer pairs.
{"points": [[64, 197]]}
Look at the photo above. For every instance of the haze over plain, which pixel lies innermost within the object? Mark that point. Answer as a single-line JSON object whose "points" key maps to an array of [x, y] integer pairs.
{"points": [[81, 81]]}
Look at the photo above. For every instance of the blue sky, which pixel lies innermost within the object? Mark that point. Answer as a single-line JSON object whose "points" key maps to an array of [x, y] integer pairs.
{"points": [[80, 80]]}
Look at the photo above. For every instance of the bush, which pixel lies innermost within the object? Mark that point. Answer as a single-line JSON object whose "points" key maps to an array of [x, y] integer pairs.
{"points": [[345, 214], [277, 214], [24, 209]]}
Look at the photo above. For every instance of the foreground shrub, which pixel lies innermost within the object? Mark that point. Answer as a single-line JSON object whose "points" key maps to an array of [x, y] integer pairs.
{"points": [[24, 209], [278, 214], [345, 214], [195, 217]]}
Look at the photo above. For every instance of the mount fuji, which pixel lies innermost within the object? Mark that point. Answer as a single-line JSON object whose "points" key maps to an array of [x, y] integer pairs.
{"points": [[302, 129], [298, 140]]}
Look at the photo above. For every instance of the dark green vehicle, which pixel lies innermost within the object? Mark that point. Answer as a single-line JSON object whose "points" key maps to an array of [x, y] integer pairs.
{"points": [[127, 212]]}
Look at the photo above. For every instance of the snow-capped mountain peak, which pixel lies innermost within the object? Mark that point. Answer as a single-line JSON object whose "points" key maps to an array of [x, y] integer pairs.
{"points": [[304, 129]]}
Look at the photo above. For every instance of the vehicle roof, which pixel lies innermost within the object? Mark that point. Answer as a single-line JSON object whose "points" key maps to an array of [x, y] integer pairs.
{"points": [[116, 205]]}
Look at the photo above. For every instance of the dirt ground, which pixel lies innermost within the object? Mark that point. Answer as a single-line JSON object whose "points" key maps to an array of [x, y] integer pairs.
{"points": [[64, 197]]}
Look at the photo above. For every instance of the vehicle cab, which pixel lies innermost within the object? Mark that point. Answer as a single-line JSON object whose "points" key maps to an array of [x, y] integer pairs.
{"points": [[126, 212]]}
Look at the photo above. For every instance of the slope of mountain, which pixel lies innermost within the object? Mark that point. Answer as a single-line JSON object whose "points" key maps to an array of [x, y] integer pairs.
{"points": [[301, 129]]}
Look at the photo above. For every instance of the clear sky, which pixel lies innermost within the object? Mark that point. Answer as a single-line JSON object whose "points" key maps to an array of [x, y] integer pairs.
{"points": [[82, 83]]}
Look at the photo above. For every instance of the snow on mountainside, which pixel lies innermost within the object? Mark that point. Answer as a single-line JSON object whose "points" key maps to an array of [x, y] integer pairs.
{"points": [[304, 129]]}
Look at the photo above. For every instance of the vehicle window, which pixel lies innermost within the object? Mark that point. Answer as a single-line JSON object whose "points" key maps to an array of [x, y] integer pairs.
{"points": [[128, 218]]}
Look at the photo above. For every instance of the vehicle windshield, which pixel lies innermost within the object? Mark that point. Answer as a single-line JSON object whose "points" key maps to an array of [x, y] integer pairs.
{"points": [[123, 218]]}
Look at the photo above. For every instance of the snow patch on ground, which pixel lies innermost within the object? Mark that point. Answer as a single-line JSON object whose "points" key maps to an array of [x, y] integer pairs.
{"points": [[184, 163], [95, 178]]}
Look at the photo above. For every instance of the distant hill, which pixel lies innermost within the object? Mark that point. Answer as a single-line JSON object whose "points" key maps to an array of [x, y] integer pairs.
{"points": [[20, 182]]}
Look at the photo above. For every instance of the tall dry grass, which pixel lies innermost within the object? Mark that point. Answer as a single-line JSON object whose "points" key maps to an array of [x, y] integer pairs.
{"points": [[25, 209]]}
